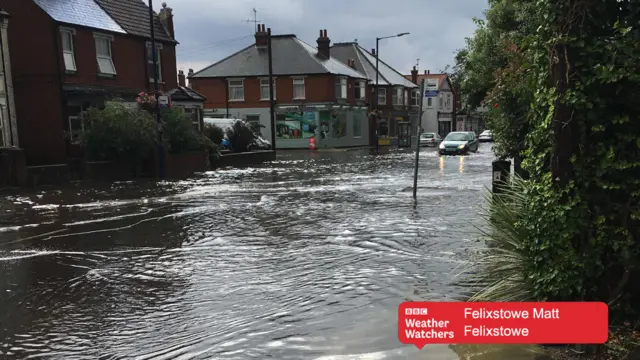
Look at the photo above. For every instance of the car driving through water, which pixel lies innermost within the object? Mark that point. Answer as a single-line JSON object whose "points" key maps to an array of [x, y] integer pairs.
{"points": [[430, 139], [458, 143]]}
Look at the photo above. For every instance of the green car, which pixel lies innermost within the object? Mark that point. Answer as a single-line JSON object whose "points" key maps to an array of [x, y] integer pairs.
{"points": [[458, 143]]}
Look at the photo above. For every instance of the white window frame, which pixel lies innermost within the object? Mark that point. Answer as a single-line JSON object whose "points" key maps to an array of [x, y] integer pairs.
{"points": [[264, 83], [362, 86], [415, 97], [429, 103], [341, 83], [158, 57], [239, 84], [71, 137], [2, 87], [440, 101], [109, 39], [382, 95], [70, 32], [297, 81], [396, 99]]}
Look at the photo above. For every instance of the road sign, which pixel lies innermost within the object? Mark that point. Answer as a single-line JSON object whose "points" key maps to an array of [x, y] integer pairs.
{"points": [[431, 93], [163, 101]]}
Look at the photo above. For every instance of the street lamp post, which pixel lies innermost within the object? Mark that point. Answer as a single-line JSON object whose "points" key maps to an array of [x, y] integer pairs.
{"points": [[154, 52], [377, 95]]}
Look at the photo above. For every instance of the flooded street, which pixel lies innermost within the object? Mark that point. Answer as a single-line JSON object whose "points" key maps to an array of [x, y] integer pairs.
{"points": [[304, 258]]}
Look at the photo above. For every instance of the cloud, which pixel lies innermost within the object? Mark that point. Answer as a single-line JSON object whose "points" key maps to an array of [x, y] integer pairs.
{"points": [[209, 31]]}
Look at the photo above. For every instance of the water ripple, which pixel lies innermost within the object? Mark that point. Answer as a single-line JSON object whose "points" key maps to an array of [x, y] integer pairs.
{"points": [[303, 258]]}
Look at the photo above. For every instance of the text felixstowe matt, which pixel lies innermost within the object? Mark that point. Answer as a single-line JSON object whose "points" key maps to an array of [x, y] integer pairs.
{"points": [[422, 323]]}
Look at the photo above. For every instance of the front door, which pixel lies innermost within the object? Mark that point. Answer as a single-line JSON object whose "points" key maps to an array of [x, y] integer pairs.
{"points": [[404, 134]]}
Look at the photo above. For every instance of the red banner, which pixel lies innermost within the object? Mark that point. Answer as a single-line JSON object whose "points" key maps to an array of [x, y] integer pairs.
{"points": [[422, 323]]}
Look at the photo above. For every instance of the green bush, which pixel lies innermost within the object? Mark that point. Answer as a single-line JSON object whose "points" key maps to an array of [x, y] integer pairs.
{"points": [[500, 272], [179, 134], [119, 133], [240, 136], [214, 133]]}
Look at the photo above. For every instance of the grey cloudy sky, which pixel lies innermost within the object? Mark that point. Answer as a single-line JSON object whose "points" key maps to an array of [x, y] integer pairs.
{"points": [[210, 30]]}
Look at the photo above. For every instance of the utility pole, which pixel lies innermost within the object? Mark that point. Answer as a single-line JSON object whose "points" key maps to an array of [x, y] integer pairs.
{"points": [[154, 52], [272, 103], [415, 170]]}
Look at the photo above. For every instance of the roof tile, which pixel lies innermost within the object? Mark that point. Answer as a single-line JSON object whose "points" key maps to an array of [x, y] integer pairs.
{"points": [[133, 16]]}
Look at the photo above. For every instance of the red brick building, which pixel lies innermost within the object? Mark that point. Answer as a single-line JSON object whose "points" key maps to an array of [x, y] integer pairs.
{"points": [[315, 94], [69, 55]]}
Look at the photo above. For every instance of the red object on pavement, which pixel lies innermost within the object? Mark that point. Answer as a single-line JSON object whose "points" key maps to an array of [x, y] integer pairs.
{"points": [[312, 143]]}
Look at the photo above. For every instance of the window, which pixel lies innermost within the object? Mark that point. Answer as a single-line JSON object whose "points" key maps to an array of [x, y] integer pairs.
{"points": [[298, 89], [76, 123], [406, 97], [194, 113], [254, 121], [415, 98], [397, 96], [151, 69], [236, 90], [357, 125], [429, 102], [341, 88], [382, 96], [360, 87], [104, 55], [440, 102], [264, 89], [2, 84], [67, 49]]}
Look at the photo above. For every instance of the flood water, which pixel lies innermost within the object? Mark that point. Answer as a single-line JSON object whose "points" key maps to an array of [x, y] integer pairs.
{"points": [[304, 258]]}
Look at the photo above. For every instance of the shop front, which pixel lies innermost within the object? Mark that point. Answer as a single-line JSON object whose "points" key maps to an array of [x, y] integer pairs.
{"points": [[331, 125]]}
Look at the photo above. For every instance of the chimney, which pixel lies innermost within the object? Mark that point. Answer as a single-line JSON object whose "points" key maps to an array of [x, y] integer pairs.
{"points": [[427, 72], [324, 44], [190, 74], [166, 18], [181, 78], [373, 52], [414, 75], [261, 37]]}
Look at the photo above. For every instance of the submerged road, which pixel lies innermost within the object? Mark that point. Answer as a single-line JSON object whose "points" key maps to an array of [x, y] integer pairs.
{"points": [[304, 258]]}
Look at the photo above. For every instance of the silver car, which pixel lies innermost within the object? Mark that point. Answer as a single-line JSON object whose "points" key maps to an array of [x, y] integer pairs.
{"points": [[430, 139], [458, 143], [486, 136]]}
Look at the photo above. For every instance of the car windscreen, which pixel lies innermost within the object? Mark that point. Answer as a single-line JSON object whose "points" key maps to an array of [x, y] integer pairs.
{"points": [[427, 136], [457, 137]]}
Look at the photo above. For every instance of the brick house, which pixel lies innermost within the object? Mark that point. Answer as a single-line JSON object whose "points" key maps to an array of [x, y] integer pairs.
{"points": [[69, 55], [439, 105], [398, 97], [315, 94]]}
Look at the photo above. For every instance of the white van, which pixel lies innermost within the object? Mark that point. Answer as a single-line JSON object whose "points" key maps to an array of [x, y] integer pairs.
{"points": [[259, 144], [224, 124]]}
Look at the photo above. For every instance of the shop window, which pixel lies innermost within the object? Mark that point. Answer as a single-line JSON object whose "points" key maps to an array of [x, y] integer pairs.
{"points": [[295, 125], [254, 122], [357, 124], [338, 124]]}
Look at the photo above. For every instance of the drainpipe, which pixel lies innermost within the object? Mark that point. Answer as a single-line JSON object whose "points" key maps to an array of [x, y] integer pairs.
{"points": [[4, 71], [226, 94]]}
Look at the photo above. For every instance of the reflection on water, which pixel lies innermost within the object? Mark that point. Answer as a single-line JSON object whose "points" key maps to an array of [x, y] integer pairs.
{"points": [[304, 258], [461, 167]]}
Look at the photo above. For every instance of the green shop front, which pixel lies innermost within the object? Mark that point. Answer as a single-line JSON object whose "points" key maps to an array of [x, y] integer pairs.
{"points": [[333, 126]]}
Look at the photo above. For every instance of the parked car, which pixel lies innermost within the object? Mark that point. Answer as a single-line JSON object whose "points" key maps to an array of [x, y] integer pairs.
{"points": [[458, 143], [430, 139], [486, 136]]}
